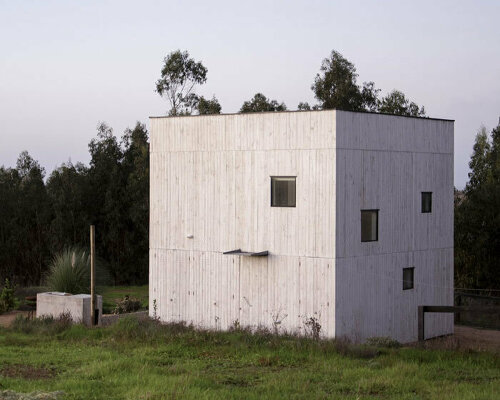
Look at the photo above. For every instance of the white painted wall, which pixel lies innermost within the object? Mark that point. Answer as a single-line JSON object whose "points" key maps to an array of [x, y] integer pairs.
{"points": [[210, 178], [385, 162]]}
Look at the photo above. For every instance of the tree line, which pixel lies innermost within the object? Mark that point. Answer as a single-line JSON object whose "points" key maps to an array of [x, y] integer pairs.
{"points": [[334, 87], [39, 218], [477, 217]]}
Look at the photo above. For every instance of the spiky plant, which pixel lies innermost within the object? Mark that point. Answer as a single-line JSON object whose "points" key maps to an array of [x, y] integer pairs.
{"points": [[69, 272]]}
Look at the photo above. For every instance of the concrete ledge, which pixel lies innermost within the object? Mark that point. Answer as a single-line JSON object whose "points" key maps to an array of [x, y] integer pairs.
{"points": [[53, 304]]}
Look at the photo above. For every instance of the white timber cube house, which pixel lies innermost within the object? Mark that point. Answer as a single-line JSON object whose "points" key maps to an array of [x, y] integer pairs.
{"points": [[274, 219]]}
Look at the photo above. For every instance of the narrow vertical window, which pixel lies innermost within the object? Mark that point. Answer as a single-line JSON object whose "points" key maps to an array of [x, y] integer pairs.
{"points": [[283, 191], [369, 225], [426, 202], [408, 278]]}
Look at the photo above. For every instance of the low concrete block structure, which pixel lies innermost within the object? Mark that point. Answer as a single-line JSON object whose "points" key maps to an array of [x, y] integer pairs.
{"points": [[54, 304]]}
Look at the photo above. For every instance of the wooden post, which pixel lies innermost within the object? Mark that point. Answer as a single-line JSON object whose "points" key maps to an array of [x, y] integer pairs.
{"points": [[92, 274], [421, 316]]}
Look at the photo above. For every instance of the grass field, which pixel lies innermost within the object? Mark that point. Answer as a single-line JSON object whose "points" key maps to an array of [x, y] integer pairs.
{"points": [[145, 360]]}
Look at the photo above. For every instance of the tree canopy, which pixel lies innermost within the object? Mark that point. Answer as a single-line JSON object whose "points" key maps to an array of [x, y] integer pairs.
{"points": [[179, 76], [41, 218], [477, 217], [336, 87], [397, 103], [260, 103], [207, 106]]}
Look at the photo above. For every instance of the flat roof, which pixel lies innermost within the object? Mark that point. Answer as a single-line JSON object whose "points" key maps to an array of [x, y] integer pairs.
{"points": [[303, 111]]}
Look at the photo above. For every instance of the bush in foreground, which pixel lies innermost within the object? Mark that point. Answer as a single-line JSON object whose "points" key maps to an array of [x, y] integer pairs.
{"points": [[7, 298]]}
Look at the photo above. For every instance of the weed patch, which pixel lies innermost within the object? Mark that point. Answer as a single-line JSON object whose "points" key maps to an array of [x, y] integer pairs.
{"points": [[27, 372], [11, 395]]}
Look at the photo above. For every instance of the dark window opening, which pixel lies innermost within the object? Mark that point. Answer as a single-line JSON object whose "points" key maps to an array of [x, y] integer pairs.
{"points": [[426, 202], [283, 191], [369, 225], [408, 278]]}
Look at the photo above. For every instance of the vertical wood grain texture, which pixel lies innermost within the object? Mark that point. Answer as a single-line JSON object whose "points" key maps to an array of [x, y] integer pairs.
{"points": [[210, 178], [385, 162]]}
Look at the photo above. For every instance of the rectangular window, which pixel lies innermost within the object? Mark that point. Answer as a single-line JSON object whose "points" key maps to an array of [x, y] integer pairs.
{"points": [[426, 202], [369, 225], [408, 278], [283, 191]]}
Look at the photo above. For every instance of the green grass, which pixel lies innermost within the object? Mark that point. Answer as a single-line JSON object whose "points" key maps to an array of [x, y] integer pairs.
{"points": [[145, 360], [110, 294]]}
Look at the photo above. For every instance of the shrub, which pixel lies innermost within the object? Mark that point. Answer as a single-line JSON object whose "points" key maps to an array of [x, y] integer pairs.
{"points": [[7, 298], [383, 341], [11, 395], [44, 325], [127, 305], [69, 272]]}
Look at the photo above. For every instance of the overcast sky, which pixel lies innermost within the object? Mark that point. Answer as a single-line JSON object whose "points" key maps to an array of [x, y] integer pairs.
{"points": [[66, 65]]}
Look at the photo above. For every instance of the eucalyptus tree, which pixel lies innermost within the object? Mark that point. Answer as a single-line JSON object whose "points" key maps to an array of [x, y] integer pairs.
{"points": [[208, 106], [135, 165], [477, 217], [335, 86], [260, 103], [397, 103], [179, 76]]}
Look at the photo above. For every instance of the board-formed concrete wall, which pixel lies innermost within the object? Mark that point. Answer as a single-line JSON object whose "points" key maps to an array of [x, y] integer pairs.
{"points": [[53, 304], [210, 193], [384, 162]]}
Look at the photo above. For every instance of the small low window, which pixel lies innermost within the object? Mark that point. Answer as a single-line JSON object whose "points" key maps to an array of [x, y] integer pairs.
{"points": [[408, 278], [369, 225], [283, 191], [426, 202]]}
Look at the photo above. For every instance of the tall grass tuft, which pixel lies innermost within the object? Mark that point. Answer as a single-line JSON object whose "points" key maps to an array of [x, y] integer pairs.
{"points": [[69, 272]]}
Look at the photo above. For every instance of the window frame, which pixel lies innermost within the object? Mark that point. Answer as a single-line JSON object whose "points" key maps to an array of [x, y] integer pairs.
{"points": [[376, 210], [288, 177], [412, 269], [422, 203]]}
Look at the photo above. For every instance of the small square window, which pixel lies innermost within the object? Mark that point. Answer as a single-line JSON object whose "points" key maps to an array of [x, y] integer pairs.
{"points": [[283, 191], [426, 202], [369, 225], [408, 278]]}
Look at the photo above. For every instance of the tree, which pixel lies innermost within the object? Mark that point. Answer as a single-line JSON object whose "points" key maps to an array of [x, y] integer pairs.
{"points": [[27, 221], [260, 103], [136, 169], [70, 194], [479, 162], [304, 106], [477, 217], [107, 198], [179, 76], [335, 86], [205, 106], [397, 103]]}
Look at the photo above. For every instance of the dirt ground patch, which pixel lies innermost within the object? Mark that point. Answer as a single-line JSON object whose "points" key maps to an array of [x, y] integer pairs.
{"points": [[8, 318], [27, 372], [467, 338]]}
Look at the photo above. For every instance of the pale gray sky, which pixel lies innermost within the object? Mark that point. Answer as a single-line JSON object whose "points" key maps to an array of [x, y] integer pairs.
{"points": [[66, 65]]}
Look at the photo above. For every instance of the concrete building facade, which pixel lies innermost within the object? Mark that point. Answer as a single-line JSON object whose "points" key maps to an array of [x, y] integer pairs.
{"points": [[279, 219]]}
